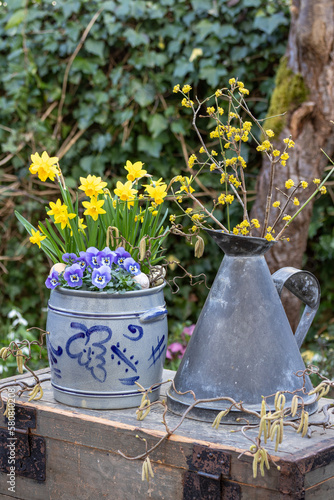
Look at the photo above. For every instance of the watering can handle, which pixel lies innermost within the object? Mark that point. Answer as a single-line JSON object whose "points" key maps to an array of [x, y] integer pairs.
{"points": [[305, 286]]}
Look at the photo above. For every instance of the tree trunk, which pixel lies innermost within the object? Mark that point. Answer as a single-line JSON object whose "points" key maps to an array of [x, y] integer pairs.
{"points": [[305, 87]]}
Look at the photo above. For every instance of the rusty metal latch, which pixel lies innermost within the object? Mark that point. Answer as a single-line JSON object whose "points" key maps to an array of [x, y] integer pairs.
{"points": [[203, 480], [29, 449]]}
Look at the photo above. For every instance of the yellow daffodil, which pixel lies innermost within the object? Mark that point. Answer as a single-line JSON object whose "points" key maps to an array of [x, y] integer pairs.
{"points": [[44, 166], [93, 207], [92, 185], [157, 192], [56, 208], [125, 192], [81, 225], [135, 170], [63, 219], [36, 237]]}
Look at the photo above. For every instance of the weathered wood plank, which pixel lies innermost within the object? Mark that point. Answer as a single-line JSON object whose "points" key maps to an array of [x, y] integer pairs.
{"points": [[322, 491], [319, 475], [75, 472]]}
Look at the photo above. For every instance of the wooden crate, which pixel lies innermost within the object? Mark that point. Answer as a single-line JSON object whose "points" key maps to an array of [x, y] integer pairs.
{"points": [[69, 453]]}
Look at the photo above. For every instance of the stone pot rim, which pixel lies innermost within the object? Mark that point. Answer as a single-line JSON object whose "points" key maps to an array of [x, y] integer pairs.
{"points": [[107, 295]]}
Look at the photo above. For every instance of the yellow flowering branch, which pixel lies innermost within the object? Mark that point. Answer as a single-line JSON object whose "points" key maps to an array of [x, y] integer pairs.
{"points": [[309, 199]]}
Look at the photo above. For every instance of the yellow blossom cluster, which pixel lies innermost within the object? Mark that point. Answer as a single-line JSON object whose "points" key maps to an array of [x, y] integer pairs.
{"points": [[225, 199], [289, 184], [265, 146], [289, 142], [242, 228], [192, 160], [187, 103], [233, 180], [197, 217]]}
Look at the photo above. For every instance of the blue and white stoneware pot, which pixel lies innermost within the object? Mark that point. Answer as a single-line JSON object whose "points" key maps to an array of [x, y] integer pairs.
{"points": [[101, 344]]}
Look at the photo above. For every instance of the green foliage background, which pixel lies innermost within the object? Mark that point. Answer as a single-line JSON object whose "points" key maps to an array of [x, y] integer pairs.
{"points": [[117, 105]]}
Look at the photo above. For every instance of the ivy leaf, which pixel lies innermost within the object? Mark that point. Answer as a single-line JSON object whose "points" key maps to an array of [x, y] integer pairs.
{"points": [[150, 146], [143, 94], [157, 124], [16, 19], [95, 47], [135, 39], [270, 24]]}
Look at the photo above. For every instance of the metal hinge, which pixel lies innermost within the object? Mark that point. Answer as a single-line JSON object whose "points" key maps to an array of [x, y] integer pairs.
{"points": [[20, 445], [203, 480]]}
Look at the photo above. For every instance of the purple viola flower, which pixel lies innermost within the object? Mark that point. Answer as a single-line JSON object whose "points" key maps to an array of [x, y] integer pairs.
{"points": [[53, 280], [91, 257], [106, 257], [131, 266], [101, 276], [81, 260], [73, 275], [121, 255], [69, 258]]}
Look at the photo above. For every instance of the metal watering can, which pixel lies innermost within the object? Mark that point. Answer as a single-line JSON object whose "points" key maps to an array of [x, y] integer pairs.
{"points": [[243, 346]]}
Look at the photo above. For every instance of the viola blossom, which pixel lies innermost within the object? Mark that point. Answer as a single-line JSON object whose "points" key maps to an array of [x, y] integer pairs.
{"points": [[135, 170], [101, 276], [81, 260], [106, 257], [44, 166], [91, 257], [121, 255], [53, 280], [131, 266], [69, 258], [73, 275], [92, 185], [36, 237], [94, 207]]}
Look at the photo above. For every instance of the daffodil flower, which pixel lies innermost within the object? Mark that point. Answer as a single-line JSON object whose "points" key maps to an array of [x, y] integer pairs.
{"points": [[92, 185], [36, 237], [94, 208], [44, 166], [135, 170]]}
